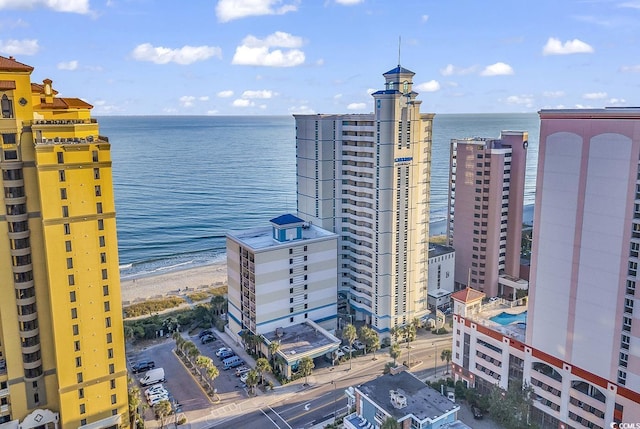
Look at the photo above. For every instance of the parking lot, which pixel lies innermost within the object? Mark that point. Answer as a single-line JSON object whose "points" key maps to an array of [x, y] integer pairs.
{"points": [[183, 388]]}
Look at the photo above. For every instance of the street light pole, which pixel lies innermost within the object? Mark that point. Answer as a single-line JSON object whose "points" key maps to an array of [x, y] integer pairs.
{"points": [[335, 411]]}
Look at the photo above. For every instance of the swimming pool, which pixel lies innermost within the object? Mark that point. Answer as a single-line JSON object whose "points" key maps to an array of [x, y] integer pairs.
{"points": [[505, 318]]}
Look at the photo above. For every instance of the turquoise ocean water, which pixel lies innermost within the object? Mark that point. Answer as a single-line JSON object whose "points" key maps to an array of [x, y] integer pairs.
{"points": [[181, 182]]}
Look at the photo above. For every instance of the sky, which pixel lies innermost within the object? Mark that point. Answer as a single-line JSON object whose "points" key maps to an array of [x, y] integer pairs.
{"points": [[282, 57]]}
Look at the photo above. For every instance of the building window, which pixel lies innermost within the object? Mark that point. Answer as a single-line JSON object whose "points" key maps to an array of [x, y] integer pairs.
{"points": [[79, 377], [105, 290], [67, 245], [80, 393], [72, 296], [69, 263], [101, 241], [107, 306], [99, 208], [113, 399], [74, 313], [82, 408], [83, 422], [107, 322], [76, 330], [62, 176], [63, 193], [100, 224], [65, 211], [71, 279], [113, 384], [98, 191], [94, 155], [76, 346], [103, 257], [110, 356], [104, 274], [78, 361], [112, 368], [60, 157], [109, 338], [7, 107], [96, 173], [67, 229]]}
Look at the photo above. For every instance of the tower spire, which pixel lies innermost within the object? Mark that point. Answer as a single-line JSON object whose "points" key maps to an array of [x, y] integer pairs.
{"points": [[399, 44]]}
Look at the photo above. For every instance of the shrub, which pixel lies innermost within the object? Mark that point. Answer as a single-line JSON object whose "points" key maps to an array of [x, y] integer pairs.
{"points": [[152, 306], [199, 296]]}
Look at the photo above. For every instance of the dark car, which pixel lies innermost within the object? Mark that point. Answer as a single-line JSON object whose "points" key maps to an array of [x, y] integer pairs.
{"points": [[143, 365], [207, 338], [477, 413], [205, 332]]}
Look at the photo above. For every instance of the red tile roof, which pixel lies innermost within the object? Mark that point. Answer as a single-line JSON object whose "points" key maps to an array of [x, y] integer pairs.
{"points": [[65, 103], [10, 64], [39, 89], [7, 84], [468, 295]]}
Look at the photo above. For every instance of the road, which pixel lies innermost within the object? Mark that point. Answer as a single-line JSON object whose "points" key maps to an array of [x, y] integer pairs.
{"points": [[319, 402]]}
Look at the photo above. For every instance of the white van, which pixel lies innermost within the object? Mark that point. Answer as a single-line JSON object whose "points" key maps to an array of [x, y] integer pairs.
{"points": [[232, 362], [153, 376]]}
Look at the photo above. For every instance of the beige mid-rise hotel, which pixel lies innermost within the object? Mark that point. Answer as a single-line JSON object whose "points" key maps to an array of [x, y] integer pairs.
{"points": [[367, 178]]}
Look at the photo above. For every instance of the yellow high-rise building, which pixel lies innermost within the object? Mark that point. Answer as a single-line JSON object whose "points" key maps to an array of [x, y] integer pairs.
{"points": [[62, 357]]}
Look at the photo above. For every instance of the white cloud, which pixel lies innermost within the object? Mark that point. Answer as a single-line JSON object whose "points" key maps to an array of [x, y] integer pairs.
{"points": [[19, 47], [630, 4], [553, 94], [337, 96], [301, 110], [349, 2], [424, 18], [242, 102], [187, 100], [320, 62], [522, 100], [203, 98], [431, 86], [450, 69], [613, 101], [74, 6], [594, 96], [497, 69], [264, 93], [258, 52], [228, 10], [371, 91], [556, 47], [630, 69], [69, 65], [225, 94], [357, 106], [212, 112], [184, 55]]}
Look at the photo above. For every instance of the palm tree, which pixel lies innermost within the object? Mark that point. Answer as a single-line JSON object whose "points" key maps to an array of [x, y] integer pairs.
{"points": [[192, 352], [262, 366], [390, 423], [179, 340], [350, 334], [410, 331], [396, 332], [212, 373], [162, 410], [274, 346], [370, 339], [134, 403], [446, 355], [394, 352], [252, 380], [305, 367], [203, 363], [218, 303]]}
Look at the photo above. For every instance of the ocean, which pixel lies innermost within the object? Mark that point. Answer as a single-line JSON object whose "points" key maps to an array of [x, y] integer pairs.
{"points": [[182, 182]]}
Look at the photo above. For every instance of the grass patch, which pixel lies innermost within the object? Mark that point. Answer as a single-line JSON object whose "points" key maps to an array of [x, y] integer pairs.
{"points": [[438, 239], [152, 306], [199, 296]]}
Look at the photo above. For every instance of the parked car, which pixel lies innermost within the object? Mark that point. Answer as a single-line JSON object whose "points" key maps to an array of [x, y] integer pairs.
{"points": [[142, 366], [157, 399], [477, 413], [357, 344], [338, 354], [157, 392], [154, 388], [223, 350], [243, 377], [346, 349], [205, 332], [207, 339], [242, 370]]}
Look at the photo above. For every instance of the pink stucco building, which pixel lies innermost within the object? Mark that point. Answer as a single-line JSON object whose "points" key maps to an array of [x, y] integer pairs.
{"points": [[578, 345], [486, 200]]}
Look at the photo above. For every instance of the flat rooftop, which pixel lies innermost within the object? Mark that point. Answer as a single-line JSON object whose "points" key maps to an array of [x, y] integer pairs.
{"points": [[439, 250], [515, 327], [302, 338], [422, 401], [262, 238]]}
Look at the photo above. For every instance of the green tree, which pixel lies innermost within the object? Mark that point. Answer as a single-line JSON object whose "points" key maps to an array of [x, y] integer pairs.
{"points": [[192, 352], [219, 304], [394, 352], [162, 410], [274, 346], [396, 333], [135, 402], [252, 380], [350, 334], [262, 366], [390, 423], [370, 339], [203, 363], [511, 407], [446, 355], [305, 367]]}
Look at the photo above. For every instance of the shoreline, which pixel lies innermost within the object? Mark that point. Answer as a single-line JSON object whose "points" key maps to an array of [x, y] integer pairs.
{"points": [[173, 282]]}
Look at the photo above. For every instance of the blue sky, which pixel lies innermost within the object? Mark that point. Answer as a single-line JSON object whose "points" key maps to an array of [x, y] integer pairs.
{"points": [[278, 57]]}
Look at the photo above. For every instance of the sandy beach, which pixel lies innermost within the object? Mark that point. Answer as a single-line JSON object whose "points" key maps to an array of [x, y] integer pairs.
{"points": [[173, 283]]}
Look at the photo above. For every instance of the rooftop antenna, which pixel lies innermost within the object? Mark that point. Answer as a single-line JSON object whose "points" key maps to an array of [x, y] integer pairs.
{"points": [[399, 44]]}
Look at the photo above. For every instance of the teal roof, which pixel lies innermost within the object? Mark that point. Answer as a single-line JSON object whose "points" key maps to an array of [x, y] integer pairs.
{"points": [[286, 219]]}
